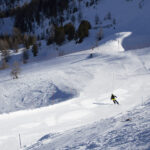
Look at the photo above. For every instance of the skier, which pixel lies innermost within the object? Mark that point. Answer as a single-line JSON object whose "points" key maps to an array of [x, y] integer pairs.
{"points": [[113, 98], [91, 55]]}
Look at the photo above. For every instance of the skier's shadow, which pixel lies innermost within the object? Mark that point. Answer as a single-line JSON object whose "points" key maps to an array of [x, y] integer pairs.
{"points": [[79, 61], [90, 56], [102, 104]]}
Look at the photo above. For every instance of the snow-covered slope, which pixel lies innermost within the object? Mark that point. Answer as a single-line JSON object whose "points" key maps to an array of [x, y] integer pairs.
{"points": [[83, 83], [87, 82], [129, 131], [36, 89]]}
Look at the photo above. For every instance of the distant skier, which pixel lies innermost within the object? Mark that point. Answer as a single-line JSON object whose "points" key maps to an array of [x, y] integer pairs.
{"points": [[113, 98], [90, 56]]}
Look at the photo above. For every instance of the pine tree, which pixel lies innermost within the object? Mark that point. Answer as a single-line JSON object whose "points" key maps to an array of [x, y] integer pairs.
{"points": [[70, 31], [83, 30], [35, 50], [59, 35], [25, 56]]}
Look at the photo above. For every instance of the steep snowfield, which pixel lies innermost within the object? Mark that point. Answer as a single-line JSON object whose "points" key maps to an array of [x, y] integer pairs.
{"points": [[87, 84], [130, 131], [85, 118]]}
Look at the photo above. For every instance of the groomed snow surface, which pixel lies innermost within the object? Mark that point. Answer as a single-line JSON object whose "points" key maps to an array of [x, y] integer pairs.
{"points": [[86, 118]]}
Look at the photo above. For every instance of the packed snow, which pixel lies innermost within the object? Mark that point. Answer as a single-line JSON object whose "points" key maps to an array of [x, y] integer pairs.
{"points": [[129, 131], [83, 84], [64, 103]]}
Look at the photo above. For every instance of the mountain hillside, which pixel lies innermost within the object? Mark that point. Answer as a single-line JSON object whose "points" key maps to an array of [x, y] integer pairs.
{"points": [[105, 16], [60, 61], [31, 33], [83, 84]]}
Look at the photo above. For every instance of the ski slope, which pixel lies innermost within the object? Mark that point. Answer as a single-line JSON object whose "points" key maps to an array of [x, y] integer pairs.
{"points": [[128, 131], [83, 85], [85, 118]]}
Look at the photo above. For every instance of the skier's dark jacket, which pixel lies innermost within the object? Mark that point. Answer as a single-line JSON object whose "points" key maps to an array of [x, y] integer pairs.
{"points": [[113, 97]]}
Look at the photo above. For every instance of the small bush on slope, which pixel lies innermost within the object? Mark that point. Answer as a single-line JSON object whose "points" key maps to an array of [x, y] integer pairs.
{"points": [[70, 31], [83, 30]]}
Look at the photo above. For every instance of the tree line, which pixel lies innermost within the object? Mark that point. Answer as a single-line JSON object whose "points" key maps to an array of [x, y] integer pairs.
{"points": [[13, 42], [59, 34], [34, 12]]}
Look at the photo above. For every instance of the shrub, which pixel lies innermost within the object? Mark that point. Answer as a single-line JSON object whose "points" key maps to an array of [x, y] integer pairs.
{"points": [[51, 37], [83, 30], [87, 4], [32, 40], [75, 9], [4, 64], [35, 50], [59, 35], [108, 16], [25, 56], [69, 30]]}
